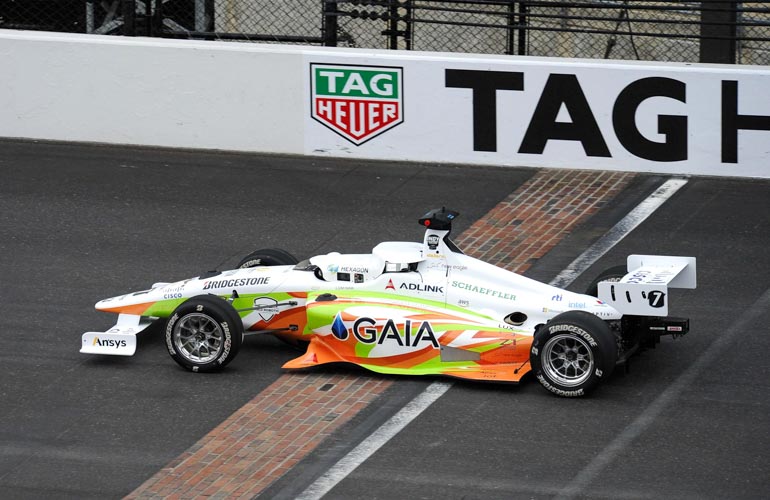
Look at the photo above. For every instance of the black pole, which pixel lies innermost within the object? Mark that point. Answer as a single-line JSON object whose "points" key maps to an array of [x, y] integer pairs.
{"points": [[156, 20], [718, 31], [510, 20], [330, 23], [210, 13], [393, 24], [409, 29], [522, 28], [128, 8]]}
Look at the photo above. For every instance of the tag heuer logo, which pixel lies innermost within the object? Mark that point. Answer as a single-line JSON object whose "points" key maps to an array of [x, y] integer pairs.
{"points": [[357, 102]]}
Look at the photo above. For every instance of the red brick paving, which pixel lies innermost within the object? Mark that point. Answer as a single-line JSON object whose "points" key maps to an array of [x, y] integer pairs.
{"points": [[534, 218], [269, 435]]}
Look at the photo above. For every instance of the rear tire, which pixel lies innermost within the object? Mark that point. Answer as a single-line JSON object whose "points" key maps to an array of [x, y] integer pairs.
{"points": [[267, 257], [613, 274], [204, 334], [573, 353]]}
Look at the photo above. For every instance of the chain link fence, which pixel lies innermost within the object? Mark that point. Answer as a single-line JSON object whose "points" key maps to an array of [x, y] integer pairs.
{"points": [[42, 15], [287, 21], [685, 31], [753, 29]]}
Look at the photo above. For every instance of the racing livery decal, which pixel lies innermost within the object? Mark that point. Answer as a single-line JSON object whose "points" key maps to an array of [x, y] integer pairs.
{"points": [[357, 102], [366, 330], [109, 343], [338, 328]]}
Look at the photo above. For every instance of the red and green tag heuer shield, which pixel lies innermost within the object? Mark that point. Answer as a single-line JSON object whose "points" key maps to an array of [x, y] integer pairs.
{"points": [[357, 102]]}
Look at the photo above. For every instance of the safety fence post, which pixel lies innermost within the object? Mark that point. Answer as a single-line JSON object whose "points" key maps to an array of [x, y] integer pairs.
{"points": [[330, 23], [128, 9], [718, 31]]}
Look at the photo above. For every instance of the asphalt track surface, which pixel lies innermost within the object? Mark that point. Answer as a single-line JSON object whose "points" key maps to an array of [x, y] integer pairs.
{"points": [[80, 223]]}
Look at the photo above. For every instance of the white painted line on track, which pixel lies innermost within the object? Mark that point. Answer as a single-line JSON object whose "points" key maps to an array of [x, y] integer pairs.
{"points": [[623, 440], [422, 401], [382, 435]]}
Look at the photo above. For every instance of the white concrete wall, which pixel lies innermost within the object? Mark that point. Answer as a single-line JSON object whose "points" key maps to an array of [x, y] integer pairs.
{"points": [[250, 97], [150, 92]]}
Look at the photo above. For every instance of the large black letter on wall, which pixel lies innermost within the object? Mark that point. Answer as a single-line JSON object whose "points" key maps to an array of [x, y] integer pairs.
{"points": [[563, 89], [732, 122], [673, 127], [485, 84]]}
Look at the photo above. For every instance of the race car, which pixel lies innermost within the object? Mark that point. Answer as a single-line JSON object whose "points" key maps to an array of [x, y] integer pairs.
{"points": [[411, 308]]}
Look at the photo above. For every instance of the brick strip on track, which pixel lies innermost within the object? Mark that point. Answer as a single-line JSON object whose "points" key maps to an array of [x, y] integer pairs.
{"points": [[282, 424]]}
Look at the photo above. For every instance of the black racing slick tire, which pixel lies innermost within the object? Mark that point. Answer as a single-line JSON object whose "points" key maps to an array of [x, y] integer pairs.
{"points": [[573, 353], [268, 257], [613, 274], [204, 334]]}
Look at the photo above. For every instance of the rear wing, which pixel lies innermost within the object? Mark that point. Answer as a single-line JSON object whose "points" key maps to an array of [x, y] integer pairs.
{"points": [[644, 290]]}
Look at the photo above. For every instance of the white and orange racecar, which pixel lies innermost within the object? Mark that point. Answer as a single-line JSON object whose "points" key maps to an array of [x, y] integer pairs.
{"points": [[412, 308]]}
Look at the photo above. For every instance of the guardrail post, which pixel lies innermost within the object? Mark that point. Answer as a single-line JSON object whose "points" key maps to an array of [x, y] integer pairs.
{"points": [[522, 29], [517, 29], [509, 33], [156, 20], [718, 31], [409, 20], [330, 23], [393, 25], [128, 9]]}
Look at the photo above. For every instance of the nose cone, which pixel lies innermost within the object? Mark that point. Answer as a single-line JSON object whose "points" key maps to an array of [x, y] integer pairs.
{"points": [[106, 304], [134, 303]]}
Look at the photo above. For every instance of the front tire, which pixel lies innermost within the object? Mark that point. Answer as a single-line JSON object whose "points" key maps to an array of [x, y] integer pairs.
{"points": [[204, 334], [573, 353]]}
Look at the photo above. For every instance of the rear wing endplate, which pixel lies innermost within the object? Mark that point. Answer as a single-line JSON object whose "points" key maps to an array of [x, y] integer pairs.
{"points": [[644, 290]]}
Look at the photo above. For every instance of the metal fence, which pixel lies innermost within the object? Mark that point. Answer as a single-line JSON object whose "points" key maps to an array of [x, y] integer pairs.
{"points": [[709, 31]]}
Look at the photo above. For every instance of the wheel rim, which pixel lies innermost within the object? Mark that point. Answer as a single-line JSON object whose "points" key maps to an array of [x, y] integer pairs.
{"points": [[198, 338], [567, 360]]}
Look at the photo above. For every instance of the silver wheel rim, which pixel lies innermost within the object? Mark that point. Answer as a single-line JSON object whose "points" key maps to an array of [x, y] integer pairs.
{"points": [[567, 360], [198, 338]]}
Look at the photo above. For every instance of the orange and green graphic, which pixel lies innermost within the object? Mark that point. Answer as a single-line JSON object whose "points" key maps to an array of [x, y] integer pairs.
{"points": [[386, 334]]}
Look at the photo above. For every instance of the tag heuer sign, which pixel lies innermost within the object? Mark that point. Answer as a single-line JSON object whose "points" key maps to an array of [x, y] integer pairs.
{"points": [[357, 102]]}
